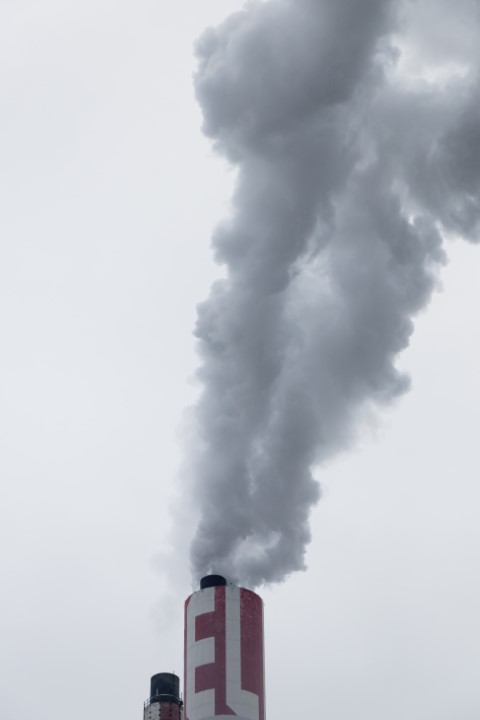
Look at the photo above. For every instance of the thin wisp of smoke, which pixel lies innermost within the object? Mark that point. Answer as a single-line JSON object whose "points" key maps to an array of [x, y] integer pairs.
{"points": [[350, 175]]}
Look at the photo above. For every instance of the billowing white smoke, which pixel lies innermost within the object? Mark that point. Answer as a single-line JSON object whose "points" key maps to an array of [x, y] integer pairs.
{"points": [[351, 172]]}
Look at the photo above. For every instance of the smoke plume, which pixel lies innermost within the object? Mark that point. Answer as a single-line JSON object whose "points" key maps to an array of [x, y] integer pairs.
{"points": [[354, 131]]}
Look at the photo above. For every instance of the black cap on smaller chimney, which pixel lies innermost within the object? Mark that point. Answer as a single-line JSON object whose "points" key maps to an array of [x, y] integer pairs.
{"points": [[165, 685]]}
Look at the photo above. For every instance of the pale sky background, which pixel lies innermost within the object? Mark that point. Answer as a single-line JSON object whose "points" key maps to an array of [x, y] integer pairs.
{"points": [[108, 194]]}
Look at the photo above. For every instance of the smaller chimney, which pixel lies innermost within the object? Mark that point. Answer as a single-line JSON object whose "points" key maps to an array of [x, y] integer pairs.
{"points": [[165, 701]]}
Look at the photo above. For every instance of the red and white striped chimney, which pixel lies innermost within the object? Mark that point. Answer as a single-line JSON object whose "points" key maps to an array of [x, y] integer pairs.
{"points": [[224, 666]]}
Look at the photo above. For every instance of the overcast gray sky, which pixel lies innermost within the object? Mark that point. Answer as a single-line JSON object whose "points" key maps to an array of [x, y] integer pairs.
{"points": [[108, 197]]}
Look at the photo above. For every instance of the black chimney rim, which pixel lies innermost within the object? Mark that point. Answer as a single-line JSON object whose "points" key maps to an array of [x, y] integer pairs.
{"points": [[212, 581]]}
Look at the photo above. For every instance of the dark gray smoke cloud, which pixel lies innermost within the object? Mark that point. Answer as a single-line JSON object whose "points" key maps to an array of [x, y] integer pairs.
{"points": [[350, 174]]}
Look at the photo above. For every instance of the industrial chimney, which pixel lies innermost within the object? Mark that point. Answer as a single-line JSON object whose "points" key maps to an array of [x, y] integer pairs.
{"points": [[224, 667], [164, 702]]}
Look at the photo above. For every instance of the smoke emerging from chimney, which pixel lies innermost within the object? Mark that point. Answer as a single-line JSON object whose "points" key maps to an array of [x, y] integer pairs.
{"points": [[351, 171]]}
